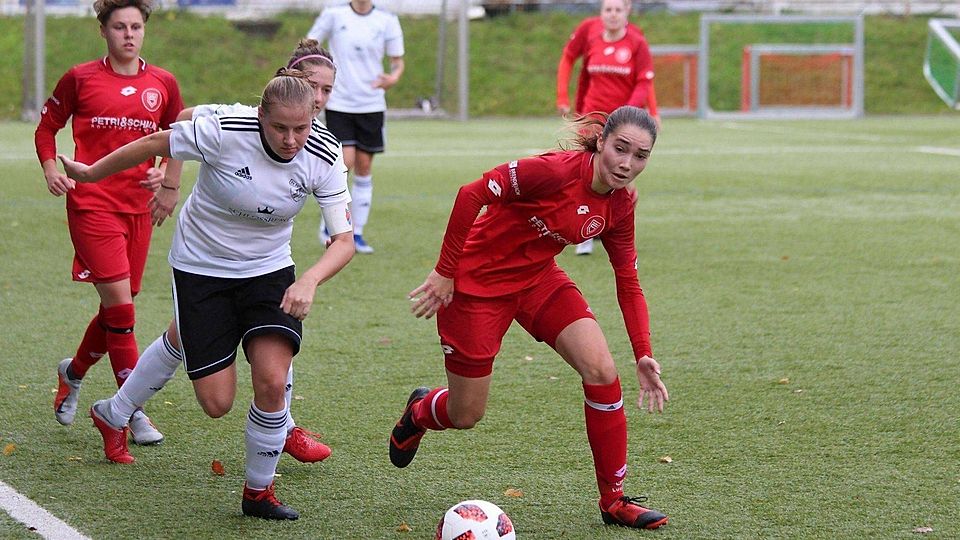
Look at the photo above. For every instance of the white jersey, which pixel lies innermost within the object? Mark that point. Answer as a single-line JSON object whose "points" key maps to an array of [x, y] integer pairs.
{"points": [[238, 220], [358, 44]]}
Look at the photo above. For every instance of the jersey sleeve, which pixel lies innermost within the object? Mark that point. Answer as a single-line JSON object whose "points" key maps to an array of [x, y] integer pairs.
{"points": [[642, 95], [393, 40], [220, 109], [54, 115], [521, 179], [196, 140], [322, 27], [174, 105], [619, 244]]}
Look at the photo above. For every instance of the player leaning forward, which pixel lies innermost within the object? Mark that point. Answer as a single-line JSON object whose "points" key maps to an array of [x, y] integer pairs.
{"points": [[500, 267], [234, 280]]}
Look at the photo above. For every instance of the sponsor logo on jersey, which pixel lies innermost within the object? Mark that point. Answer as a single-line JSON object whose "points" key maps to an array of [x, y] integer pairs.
{"points": [[133, 124], [243, 173], [543, 230], [128, 91], [607, 68], [265, 210], [151, 99], [513, 178], [593, 227], [583, 210]]}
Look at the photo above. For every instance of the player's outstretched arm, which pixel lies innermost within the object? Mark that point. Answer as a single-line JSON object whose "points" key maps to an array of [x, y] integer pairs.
{"points": [[652, 389], [123, 158]]}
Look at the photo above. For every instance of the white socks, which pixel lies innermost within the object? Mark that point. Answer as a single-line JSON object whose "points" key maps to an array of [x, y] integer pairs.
{"points": [[156, 366], [288, 396], [362, 195], [265, 435]]}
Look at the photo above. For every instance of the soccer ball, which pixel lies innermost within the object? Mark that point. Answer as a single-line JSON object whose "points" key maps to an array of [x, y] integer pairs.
{"points": [[475, 520]]}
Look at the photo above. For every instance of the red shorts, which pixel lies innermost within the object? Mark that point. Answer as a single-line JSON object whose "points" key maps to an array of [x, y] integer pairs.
{"points": [[109, 247], [471, 328]]}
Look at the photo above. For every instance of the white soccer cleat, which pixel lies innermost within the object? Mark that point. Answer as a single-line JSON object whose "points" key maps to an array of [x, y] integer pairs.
{"points": [[360, 245], [142, 429], [585, 247], [68, 393], [324, 237]]}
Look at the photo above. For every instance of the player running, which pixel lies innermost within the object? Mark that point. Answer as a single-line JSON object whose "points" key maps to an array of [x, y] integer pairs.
{"points": [[233, 274], [500, 267], [112, 101]]}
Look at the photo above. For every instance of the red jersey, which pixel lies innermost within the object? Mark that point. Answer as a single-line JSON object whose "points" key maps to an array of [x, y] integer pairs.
{"points": [[535, 207], [613, 74], [109, 110]]}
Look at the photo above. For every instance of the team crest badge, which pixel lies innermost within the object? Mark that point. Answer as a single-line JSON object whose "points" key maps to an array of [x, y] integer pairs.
{"points": [[623, 55], [151, 99], [593, 227]]}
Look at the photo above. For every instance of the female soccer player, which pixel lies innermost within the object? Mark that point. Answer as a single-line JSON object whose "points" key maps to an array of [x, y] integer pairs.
{"points": [[500, 267], [159, 362], [617, 69], [359, 35], [234, 279], [114, 100]]}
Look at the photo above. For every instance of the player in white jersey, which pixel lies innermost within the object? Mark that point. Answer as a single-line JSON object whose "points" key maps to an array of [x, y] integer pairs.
{"points": [[360, 35], [234, 279]]}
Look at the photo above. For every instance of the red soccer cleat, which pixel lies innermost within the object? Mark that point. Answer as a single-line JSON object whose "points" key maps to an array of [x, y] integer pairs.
{"points": [[626, 512], [114, 440], [303, 446]]}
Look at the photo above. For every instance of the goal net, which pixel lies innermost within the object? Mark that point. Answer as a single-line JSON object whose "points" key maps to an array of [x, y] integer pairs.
{"points": [[941, 63], [753, 66], [676, 78]]}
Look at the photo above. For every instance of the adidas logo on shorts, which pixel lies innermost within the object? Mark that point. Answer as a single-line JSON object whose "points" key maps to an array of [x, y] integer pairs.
{"points": [[244, 173]]}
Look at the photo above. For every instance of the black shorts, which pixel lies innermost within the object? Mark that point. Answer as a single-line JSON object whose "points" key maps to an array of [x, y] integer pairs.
{"points": [[214, 315], [363, 130]]}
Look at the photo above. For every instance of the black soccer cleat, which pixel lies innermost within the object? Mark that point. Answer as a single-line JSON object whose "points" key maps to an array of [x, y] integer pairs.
{"points": [[627, 512], [405, 438], [264, 504]]}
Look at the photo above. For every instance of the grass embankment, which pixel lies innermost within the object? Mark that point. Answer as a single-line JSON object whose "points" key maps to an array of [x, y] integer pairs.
{"points": [[513, 58]]}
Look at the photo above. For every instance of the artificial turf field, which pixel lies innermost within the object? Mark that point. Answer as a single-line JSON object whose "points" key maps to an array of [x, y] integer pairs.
{"points": [[803, 281]]}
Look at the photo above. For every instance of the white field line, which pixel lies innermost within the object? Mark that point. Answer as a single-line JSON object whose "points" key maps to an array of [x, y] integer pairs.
{"points": [[34, 517], [938, 151]]}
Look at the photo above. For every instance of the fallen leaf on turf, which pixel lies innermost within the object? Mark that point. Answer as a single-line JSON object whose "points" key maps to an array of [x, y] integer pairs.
{"points": [[552, 378], [53, 390], [785, 258], [666, 459], [217, 468], [168, 403], [513, 492], [785, 380], [798, 391], [384, 341], [9, 449], [22, 386], [74, 458], [923, 530], [403, 527], [528, 358], [298, 398]]}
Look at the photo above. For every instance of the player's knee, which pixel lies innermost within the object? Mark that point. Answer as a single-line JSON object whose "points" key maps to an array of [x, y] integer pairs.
{"points": [[215, 406], [602, 371]]}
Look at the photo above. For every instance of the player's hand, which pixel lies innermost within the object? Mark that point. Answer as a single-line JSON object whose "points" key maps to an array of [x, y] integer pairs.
{"points": [[652, 389], [384, 81], [58, 183], [74, 169], [162, 205], [298, 299], [427, 299], [153, 179]]}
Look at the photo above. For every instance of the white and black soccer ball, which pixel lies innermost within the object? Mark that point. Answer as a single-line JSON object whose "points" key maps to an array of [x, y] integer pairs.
{"points": [[475, 520]]}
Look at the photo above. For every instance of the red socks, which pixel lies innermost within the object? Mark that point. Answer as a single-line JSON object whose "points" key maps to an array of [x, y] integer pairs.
{"points": [[121, 342], [91, 350], [431, 411], [607, 434]]}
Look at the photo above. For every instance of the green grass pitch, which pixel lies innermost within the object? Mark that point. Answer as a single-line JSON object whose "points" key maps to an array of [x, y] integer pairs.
{"points": [[803, 281]]}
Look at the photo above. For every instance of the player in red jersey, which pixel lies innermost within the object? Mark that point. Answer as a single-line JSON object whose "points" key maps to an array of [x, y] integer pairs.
{"points": [[500, 267], [617, 68], [112, 101]]}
